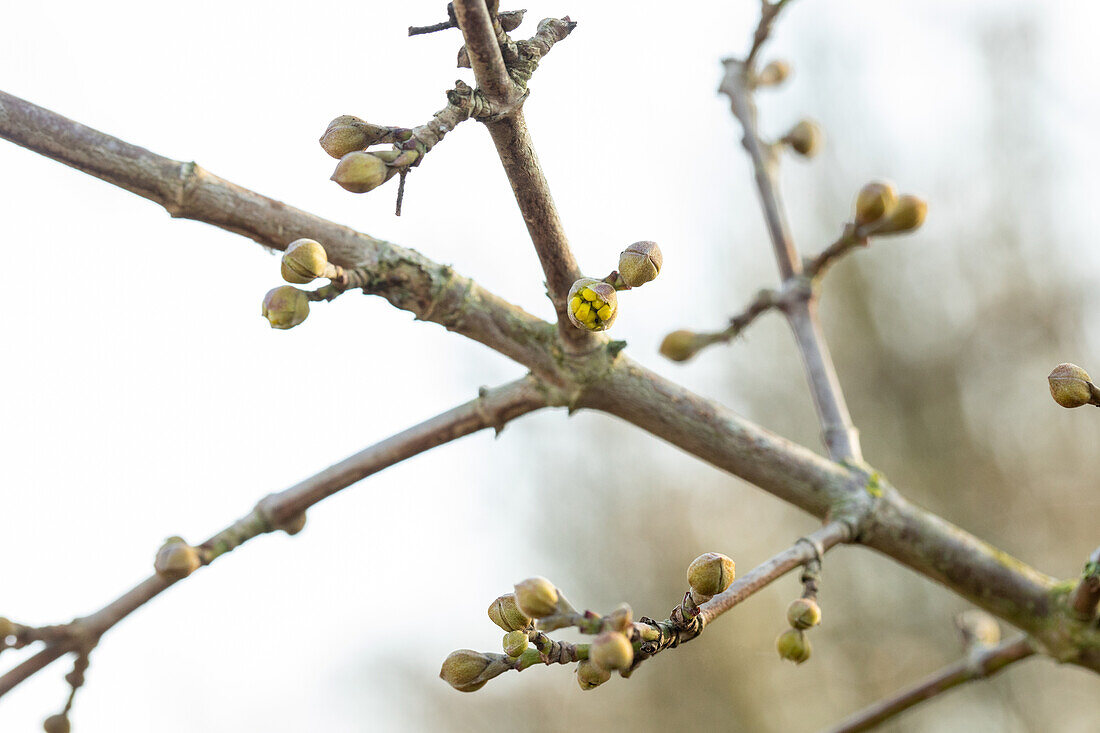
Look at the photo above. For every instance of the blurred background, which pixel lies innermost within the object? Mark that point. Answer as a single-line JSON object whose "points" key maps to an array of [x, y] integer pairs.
{"points": [[144, 395]]}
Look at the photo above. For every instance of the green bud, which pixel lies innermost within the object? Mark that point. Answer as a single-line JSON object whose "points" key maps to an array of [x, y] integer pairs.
{"points": [[803, 613], [176, 559], [505, 613], [537, 597], [515, 643], [710, 573], [285, 307], [467, 670], [592, 304], [589, 676], [775, 73], [908, 214], [361, 172], [348, 133], [873, 201], [804, 138], [57, 724], [640, 263], [611, 650], [682, 345], [304, 261], [792, 644], [1070, 385]]}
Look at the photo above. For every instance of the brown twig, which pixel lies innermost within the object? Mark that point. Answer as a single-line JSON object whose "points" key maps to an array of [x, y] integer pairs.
{"points": [[1086, 597], [980, 664]]}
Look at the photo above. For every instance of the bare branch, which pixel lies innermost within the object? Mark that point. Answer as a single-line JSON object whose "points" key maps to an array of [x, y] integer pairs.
{"points": [[982, 663], [492, 408], [479, 29]]}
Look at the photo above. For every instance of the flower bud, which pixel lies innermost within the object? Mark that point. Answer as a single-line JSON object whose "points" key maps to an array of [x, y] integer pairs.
{"points": [[873, 201], [1070, 385], [592, 304], [776, 72], [515, 643], [710, 573], [792, 644], [978, 627], [505, 613], [285, 307], [611, 650], [537, 597], [639, 263], [803, 613], [57, 724], [589, 676], [361, 172], [908, 214], [681, 345], [176, 559], [348, 133], [467, 670], [621, 619], [304, 261], [804, 138]]}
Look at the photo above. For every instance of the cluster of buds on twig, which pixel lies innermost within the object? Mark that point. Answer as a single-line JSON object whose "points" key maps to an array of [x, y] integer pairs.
{"points": [[593, 304], [802, 614], [620, 644], [879, 210], [1070, 386], [359, 171], [304, 261]]}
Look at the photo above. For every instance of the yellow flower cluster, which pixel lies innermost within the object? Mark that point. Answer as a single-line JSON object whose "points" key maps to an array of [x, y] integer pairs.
{"points": [[592, 304]]}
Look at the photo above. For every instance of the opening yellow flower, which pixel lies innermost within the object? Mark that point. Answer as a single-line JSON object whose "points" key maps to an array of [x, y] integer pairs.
{"points": [[593, 304]]}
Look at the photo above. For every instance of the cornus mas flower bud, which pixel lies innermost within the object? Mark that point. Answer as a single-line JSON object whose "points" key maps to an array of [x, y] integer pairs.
{"points": [[776, 72], [803, 613], [537, 597], [873, 201], [589, 676], [710, 573], [611, 650], [464, 670], [792, 644], [348, 133], [57, 724], [505, 613], [1070, 385], [804, 138], [176, 559], [515, 643], [681, 345], [285, 307], [978, 627], [640, 263], [361, 172], [593, 304], [620, 619], [304, 261], [908, 214]]}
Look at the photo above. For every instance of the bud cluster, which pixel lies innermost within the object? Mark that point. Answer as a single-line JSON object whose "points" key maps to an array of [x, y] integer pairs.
{"points": [[347, 139], [802, 614], [879, 210], [594, 304]]}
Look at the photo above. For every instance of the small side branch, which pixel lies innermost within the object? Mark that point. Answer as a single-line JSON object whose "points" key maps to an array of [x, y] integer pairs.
{"points": [[1086, 598], [982, 663], [479, 29]]}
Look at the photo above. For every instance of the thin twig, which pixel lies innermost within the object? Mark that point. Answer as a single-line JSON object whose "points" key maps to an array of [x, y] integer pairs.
{"points": [[980, 664], [491, 409], [482, 46]]}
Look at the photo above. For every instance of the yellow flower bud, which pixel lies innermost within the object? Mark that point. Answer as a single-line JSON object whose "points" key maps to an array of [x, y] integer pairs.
{"points": [[285, 307], [1070, 386], [505, 613], [57, 724], [639, 263], [537, 597], [874, 201], [304, 261], [515, 643], [804, 138], [361, 172], [908, 214], [348, 133], [620, 619], [776, 72], [803, 613], [593, 304], [176, 559], [465, 670], [681, 345], [792, 644], [589, 676], [710, 573], [611, 650]]}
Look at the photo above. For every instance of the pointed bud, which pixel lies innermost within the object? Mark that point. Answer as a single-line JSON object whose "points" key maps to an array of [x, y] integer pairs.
{"points": [[515, 643], [1070, 386], [176, 559], [611, 650], [467, 670], [804, 138], [57, 724], [775, 73], [285, 307], [510, 19], [537, 597], [304, 261], [682, 345], [348, 133], [803, 613], [792, 644], [589, 676], [361, 172], [908, 214], [710, 573], [621, 619], [505, 613], [592, 304], [463, 58], [873, 201], [640, 263]]}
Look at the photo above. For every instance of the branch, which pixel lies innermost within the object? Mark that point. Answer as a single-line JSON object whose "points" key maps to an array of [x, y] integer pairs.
{"points": [[1086, 597], [982, 663], [479, 29], [285, 510]]}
